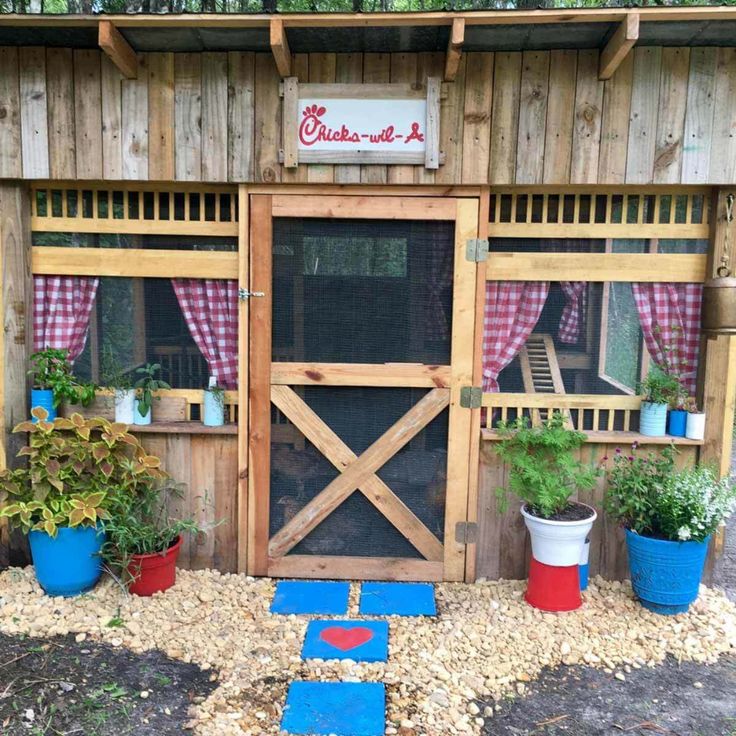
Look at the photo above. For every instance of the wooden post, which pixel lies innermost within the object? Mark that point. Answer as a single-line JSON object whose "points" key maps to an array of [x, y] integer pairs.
{"points": [[719, 365], [16, 335]]}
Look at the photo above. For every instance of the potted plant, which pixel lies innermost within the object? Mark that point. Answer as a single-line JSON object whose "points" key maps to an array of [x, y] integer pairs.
{"points": [[213, 414], [54, 382], [76, 469], [143, 538], [145, 388], [118, 380], [544, 473], [657, 390], [695, 423], [669, 516]]}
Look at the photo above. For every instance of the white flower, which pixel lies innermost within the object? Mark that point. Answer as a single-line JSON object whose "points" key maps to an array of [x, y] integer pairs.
{"points": [[683, 533]]}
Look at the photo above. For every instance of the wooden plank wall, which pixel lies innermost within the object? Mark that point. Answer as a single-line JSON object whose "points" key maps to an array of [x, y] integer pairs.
{"points": [[503, 547], [668, 115]]}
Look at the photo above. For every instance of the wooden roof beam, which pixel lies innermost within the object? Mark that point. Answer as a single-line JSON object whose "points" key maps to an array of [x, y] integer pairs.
{"points": [[454, 49], [619, 45], [280, 47], [121, 54]]}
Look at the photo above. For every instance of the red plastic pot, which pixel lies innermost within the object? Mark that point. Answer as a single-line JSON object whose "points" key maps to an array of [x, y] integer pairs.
{"points": [[553, 588], [156, 572]]}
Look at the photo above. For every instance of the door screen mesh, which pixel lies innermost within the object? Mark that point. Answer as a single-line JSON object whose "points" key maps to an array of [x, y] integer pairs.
{"points": [[358, 291]]}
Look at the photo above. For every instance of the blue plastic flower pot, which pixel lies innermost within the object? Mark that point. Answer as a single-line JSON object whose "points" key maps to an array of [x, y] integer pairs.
{"points": [[677, 423], [653, 419], [69, 563], [665, 575], [43, 397]]}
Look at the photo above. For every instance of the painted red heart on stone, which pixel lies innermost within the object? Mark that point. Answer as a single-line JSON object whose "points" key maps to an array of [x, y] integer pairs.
{"points": [[345, 639]]}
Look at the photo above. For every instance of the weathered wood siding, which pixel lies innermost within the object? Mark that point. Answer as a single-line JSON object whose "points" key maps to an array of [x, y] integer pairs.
{"points": [[503, 546], [538, 117]]}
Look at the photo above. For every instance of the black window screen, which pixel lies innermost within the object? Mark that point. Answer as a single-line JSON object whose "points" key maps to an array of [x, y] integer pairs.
{"points": [[362, 291]]}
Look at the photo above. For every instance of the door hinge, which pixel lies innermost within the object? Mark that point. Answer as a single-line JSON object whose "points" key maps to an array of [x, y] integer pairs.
{"points": [[476, 250], [466, 532], [244, 294], [471, 397]]}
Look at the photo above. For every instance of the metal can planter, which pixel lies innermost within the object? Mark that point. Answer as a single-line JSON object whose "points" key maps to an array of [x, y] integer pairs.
{"points": [[69, 563], [653, 419], [665, 575], [43, 397], [677, 423]]}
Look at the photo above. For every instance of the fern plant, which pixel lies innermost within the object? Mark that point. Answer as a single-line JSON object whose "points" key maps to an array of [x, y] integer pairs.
{"points": [[544, 471]]}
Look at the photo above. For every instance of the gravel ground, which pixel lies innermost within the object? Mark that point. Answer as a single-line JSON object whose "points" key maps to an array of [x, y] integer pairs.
{"points": [[485, 645]]}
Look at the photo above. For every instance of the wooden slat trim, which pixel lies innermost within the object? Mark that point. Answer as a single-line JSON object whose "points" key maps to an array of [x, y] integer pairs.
{"points": [[280, 47], [597, 230], [366, 91], [561, 401], [360, 374], [454, 49], [634, 267], [612, 438], [354, 568], [389, 208], [111, 41], [622, 41], [134, 262], [133, 227]]}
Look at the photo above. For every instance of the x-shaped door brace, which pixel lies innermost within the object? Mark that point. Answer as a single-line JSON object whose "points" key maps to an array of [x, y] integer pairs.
{"points": [[358, 472]]}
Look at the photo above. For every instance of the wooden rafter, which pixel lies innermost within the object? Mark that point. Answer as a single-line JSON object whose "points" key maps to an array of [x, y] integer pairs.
{"points": [[280, 47], [119, 51], [357, 472], [622, 41], [454, 49]]}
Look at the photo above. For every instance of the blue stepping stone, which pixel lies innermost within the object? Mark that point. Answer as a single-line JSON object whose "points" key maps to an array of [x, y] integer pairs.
{"points": [[397, 599], [362, 641], [340, 708], [310, 596]]}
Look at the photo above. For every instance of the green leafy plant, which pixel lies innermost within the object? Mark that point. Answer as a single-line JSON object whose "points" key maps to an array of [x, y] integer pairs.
{"points": [[659, 388], [544, 472], [114, 376], [218, 393], [52, 370], [649, 496], [147, 385], [77, 470]]}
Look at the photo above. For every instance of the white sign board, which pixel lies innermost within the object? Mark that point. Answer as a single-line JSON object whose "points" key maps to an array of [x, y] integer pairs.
{"points": [[361, 123]]}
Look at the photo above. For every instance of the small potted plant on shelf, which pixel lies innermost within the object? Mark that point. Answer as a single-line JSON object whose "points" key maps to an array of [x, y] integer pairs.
{"points": [[657, 390], [54, 382], [119, 381], [145, 388], [544, 473], [695, 424], [76, 469], [144, 539], [213, 414], [669, 516]]}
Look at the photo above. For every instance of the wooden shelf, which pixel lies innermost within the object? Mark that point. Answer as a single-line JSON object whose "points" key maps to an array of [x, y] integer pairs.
{"points": [[182, 428], [613, 438]]}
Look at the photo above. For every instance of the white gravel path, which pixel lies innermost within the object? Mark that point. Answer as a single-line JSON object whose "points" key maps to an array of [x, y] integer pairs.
{"points": [[485, 643]]}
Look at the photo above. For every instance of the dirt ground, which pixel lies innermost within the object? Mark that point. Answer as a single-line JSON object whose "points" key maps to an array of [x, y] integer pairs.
{"points": [[50, 687], [676, 700]]}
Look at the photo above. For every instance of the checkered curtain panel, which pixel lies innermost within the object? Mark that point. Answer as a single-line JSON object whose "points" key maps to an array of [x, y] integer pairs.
{"points": [[570, 321], [670, 319], [61, 312], [511, 313], [210, 309]]}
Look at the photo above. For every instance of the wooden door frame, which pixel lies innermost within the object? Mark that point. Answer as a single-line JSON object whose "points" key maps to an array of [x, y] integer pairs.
{"points": [[255, 503]]}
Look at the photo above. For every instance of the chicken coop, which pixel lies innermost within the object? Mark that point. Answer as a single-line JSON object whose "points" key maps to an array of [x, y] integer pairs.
{"points": [[381, 234]]}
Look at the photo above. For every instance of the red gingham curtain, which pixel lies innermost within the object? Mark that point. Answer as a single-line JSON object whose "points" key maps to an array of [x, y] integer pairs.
{"points": [[663, 308], [210, 308], [574, 292], [61, 311], [511, 312]]}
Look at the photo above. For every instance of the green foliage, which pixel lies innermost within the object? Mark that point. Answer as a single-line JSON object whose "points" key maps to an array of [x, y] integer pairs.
{"points": [[544, 471], [146, 385], [51, 369], [659, 387], [218, 393], [113, 374], [77, 470], [649, 496]]}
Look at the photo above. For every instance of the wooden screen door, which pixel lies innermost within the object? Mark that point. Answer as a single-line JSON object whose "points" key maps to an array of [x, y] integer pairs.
{"points": [[361, 324]]}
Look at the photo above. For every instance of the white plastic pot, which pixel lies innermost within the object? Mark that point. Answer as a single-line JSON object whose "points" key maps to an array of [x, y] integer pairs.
{"points": [[125, 406], [695, 428], [558, 543], [138, 418]]}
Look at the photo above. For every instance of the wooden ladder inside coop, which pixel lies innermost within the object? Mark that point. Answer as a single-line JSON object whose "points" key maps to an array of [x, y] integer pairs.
{"points": [[540, 371]]}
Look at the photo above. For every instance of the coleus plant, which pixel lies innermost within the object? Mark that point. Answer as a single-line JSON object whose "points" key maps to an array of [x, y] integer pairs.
{"points": [[76, 469]]}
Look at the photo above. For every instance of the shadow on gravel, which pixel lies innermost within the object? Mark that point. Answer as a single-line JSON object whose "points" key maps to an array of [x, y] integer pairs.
{"points": [[673, 700], [58, 686]]}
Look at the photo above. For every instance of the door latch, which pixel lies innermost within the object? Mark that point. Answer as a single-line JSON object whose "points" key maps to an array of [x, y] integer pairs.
{"points": [[244, 294]]}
